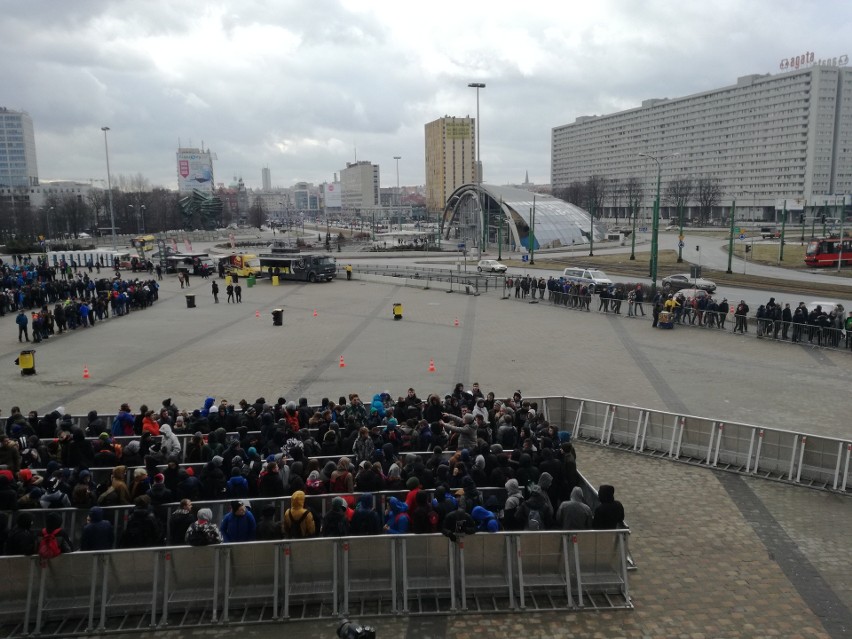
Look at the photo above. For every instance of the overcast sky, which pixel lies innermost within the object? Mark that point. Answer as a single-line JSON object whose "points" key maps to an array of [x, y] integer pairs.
{"points": [[299, 86]]}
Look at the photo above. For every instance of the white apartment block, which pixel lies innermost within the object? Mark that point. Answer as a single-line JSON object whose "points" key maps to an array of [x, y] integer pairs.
{"points": [[360, 185], [450, 158], [768, 139]]}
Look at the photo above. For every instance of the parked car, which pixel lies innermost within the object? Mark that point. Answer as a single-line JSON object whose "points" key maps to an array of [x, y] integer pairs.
{"points": [[491, 266], [593, 278], [683, 280], [694, 292]]}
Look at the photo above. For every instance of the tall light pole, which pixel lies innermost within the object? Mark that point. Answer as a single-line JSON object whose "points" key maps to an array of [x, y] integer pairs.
{"points": [[109, 189], [655, 225], [398, 158], [478, 164]]}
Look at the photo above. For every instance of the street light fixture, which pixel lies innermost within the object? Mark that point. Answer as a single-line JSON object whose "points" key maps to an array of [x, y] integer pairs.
{"points": [[109, 189], [398, 158], [655, 226], [478, 164]]}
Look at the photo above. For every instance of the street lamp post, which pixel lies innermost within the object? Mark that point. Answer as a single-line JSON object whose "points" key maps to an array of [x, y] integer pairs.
{"points": [[655, 226], [397, 158], [142, 217], [478, 164], [592, 230], [635, 210], [109, 189], [731, 237]]}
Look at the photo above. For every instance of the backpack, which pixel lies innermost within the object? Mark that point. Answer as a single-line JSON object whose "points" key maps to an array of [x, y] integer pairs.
{"points": [[197, 536], [432, 517], [48, 547], [535, 520], [296, 524], [338, 484]]}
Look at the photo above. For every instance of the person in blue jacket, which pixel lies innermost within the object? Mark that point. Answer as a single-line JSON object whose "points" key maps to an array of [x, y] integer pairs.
{"points": [[98, 533], [238, 525], [23, 322], [397, 521]]}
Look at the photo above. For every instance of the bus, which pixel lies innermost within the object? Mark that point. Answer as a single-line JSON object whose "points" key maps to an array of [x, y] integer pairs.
{"points": [[144, 242], [825, 251], [305, 267], [80, 259], [242, 264]]}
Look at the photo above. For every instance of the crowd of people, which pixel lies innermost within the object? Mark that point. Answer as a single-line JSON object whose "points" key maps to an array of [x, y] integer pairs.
{"points": [[459, 464], [821, 325], [49, 300]]}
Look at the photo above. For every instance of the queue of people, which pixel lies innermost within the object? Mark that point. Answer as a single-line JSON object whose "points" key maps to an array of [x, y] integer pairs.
{"points": [[505, 468]]}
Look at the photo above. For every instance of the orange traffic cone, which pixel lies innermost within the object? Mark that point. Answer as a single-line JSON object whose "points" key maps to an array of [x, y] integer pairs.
{"points": [[315, 312], [342, 363], [456, 323], [257, 314], [85, 372], [431, 365]]}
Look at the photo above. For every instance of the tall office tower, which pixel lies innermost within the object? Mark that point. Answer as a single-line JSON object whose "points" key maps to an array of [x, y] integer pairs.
{"points": [[450, 158], [360, 184], [266, 178], [18, 167]]}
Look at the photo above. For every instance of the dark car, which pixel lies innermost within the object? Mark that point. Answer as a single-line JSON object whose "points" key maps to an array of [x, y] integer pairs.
{"points": [[683, 280]]}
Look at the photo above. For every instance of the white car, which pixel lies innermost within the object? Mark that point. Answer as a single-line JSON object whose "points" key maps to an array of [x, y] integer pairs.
{"points": [[591, 277], [491, 266]]}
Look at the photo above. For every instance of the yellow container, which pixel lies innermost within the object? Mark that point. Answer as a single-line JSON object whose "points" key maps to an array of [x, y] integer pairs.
{"points": [[26, 359], [227, 280], [397, 311], [274, 280]]}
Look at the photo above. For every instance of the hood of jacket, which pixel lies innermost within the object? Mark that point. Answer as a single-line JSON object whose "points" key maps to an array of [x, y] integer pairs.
{"points": [[545, 480], [606, 494], [512, 487], [297, 502], [397, 506], [577, 495]]}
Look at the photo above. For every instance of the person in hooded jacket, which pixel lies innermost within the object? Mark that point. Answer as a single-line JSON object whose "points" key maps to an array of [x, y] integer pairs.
{"points": [[54, 497], [365, 520], [238, 525], [142, 529], [170, 443], [397, 521], [458, 522], [53, 524], [298, 521], [98, 533], [486, 521], [267, 526], [574, 514], [335, 524], [610, 513], [513, 503], [22, 538], [424, 519], [537, 501], [80, 453]]}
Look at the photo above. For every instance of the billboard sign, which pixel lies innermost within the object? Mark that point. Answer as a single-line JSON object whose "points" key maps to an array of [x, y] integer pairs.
{"points": [[458, 130], [195, 171], [333, 195]]}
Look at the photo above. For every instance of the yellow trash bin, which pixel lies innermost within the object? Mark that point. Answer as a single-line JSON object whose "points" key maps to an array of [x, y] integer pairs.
{"points": [[274, 280], [26, 361], [397, 311]]}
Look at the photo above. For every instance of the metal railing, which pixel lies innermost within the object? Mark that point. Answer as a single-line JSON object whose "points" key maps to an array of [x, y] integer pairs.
{"points": [[794, 457], [274, 581]]}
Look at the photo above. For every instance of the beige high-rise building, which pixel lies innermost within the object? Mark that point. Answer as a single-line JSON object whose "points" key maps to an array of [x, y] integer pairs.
{"points": [[450, 158], [360, 184]]}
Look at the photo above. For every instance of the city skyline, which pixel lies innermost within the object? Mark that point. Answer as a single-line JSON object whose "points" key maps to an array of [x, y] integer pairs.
{"points": [[304, 89]]}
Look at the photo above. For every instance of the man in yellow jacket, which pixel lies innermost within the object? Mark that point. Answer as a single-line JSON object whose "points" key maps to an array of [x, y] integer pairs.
{"points": [[298, 521]]}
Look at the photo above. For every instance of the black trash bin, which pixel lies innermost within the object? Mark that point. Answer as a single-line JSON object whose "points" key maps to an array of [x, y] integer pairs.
{"points": [[278, 317], [190, 301]]}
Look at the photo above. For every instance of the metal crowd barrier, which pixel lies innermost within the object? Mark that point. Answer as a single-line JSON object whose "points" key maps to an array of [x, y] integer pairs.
{"points": [[272, 581], [790, 456]]}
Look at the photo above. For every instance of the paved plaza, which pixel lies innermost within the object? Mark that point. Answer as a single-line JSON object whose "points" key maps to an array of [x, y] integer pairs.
{"points": [[719, 555]]}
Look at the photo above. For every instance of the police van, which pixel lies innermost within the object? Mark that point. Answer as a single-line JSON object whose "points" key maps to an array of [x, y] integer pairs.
{"points": [[593, 278]]}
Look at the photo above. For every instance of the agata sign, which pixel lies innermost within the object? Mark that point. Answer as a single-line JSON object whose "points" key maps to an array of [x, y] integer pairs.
{"points": [[808, 59]]}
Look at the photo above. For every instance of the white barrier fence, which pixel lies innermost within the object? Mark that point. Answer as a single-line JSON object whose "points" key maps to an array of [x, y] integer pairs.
{"points": [[795, 457]]}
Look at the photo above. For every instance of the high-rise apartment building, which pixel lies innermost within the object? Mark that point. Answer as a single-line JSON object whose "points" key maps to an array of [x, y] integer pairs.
{"points": [[360, 185], [767, 139], [450, 158], [195, 170], [18, 167], [266, 178]]}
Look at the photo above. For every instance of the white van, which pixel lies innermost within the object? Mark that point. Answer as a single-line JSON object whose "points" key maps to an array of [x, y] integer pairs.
{"points": [[593, 278]]}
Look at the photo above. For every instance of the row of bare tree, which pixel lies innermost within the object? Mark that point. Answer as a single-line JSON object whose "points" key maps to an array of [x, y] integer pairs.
{"points": [[623, 197]]}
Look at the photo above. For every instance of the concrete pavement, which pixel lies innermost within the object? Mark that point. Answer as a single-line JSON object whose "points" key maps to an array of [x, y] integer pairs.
{"points": [[719, 555]]}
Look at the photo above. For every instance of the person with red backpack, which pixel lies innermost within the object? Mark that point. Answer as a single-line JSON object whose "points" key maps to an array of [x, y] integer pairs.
{"points": [[397, 521], [341, 481], [53, 540]]}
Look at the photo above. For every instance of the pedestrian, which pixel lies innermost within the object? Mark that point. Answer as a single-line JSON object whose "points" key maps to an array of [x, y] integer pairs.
{"points": [[230, 291], [238, 293], [180, 278], [640, 298], [159, 269], [215, 288], [348, 271], [23, 323]]}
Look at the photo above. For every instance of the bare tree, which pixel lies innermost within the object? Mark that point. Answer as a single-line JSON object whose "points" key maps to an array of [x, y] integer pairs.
{"points": [[596, 190], [132, 183], [615, 192], [574, 193], [257, 214], [633, 192], [679, 192], [709, 195]]}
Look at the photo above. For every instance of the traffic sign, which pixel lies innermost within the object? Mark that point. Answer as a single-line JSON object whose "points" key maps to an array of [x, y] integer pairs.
{"points": [[462, 245], [680, 244], [643, 229], [737, 230], [742, 236]]}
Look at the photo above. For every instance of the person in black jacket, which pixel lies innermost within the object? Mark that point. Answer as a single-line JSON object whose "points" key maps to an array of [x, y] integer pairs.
{"points": [[610, 513], [365, 520], [22, 538], [142, 530], [97, 533]]}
